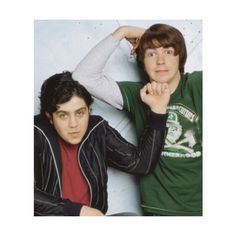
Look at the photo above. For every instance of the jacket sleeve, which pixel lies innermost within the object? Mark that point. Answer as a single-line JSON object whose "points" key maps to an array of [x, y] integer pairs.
{"points": [[46, 203], [142, 159], [49, 205]]}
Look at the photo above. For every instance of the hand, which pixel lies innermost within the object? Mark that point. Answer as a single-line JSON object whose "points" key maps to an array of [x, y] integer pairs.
{"points": [[131, 34], [135, 44], [89, 211], [156, 96]]}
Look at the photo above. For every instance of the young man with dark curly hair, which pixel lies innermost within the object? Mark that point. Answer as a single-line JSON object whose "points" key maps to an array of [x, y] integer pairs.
{"points": [[72, 148]]}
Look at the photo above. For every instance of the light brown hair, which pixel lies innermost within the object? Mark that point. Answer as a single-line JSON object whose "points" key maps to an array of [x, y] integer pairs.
{"points": [[162, 35]]}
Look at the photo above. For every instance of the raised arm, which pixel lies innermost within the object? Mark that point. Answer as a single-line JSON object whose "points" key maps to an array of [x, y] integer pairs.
{"points": [[89, 72]]}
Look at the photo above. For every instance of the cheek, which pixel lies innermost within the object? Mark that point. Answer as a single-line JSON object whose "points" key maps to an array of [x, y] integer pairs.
{"points": [[84, 124], [60, 127], [147, 66], [175, 62]]}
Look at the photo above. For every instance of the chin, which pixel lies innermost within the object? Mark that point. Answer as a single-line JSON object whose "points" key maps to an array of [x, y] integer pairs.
{"points": [[160, 80], [74, 142]]}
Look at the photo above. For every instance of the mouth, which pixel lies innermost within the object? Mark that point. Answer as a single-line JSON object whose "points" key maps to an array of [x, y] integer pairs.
{"points": [[161, 71], [74, 134]]}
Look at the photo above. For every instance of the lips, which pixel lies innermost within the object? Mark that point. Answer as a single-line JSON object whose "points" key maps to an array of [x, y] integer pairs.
{"points": [[160, 71], [74, 134]]}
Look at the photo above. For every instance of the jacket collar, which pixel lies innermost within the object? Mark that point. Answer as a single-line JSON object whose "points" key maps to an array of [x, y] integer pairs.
{"points": [[43, 123]]}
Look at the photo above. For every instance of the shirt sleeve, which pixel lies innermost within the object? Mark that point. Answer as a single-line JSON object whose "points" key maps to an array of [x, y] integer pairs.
{"points": [[195, 85], [89, 72], [131, 95]]}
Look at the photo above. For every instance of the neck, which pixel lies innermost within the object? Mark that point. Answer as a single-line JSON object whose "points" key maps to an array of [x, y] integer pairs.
{"points": [[67, 145]]}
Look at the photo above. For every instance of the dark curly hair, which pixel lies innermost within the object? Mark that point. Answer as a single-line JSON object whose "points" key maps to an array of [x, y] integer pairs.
{"points": [[161, 35], [60, 88]]}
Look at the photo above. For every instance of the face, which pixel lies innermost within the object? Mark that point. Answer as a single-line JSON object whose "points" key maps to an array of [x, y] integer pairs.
{"points": [[162, 65], [71, 120]]}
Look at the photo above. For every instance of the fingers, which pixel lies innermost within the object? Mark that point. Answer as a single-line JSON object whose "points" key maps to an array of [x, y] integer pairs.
{"points": [[156, 96], [135, 46], [134, 42], [163, 88], [155, 88], [89, 211]]}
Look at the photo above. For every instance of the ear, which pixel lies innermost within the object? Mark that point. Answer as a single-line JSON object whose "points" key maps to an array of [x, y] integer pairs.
{"points": [[49, 117], [89, 110]]}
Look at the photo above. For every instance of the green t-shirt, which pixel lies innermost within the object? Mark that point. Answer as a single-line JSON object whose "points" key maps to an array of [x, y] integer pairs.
{"points": [[175, 186]]}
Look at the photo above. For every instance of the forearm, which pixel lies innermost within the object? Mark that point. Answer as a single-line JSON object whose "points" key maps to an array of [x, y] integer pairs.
{"points": [[142, 159], [48, 205], [151, 143], [129, 33]]}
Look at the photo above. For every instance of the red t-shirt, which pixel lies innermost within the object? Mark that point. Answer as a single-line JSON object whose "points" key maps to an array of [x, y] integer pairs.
{"points": [[74, 184]]}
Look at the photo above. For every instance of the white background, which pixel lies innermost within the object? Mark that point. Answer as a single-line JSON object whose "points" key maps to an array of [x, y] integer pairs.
{"points": [[17, 109]]}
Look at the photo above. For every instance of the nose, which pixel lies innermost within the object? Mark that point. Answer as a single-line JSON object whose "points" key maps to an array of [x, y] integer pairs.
{"points": [[160, 59], [73, 122]]}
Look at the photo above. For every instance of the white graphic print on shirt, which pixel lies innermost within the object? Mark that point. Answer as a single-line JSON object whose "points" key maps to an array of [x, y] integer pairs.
{"points": [[181, 138]]}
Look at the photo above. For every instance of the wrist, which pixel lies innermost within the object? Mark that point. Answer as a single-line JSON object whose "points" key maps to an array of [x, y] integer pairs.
{"points": [[158, 121], [159, 110]]}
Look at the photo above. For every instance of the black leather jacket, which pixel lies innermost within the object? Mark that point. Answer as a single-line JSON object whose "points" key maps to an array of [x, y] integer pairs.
{"points": [[101, 146]]}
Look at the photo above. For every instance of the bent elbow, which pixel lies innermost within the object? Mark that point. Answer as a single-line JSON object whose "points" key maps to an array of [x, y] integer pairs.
{"points": [[76, 75]]}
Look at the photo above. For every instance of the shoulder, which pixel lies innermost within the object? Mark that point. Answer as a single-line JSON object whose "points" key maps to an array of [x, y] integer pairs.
{"points": [[41, 124], [95, 119], [128, 85], [193, 80], [97, 128], [194, 76], [131, 94], [96, 122], [43, 129]]}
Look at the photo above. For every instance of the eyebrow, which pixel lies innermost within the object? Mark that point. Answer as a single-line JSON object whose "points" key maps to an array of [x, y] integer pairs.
{"points": [[62, 111], [150, 48]]}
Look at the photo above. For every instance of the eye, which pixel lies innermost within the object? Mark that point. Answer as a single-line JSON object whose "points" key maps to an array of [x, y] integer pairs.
{"points": [[62, 116], [80, 114], [169, 51], [150, 54]]}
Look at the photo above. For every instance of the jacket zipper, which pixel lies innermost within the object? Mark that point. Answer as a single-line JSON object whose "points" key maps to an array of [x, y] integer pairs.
{"points": [[90, 189], [100, 168]]}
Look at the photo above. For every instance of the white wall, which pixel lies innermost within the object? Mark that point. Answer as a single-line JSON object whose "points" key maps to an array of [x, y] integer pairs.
{"points": [[60, 45]]}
